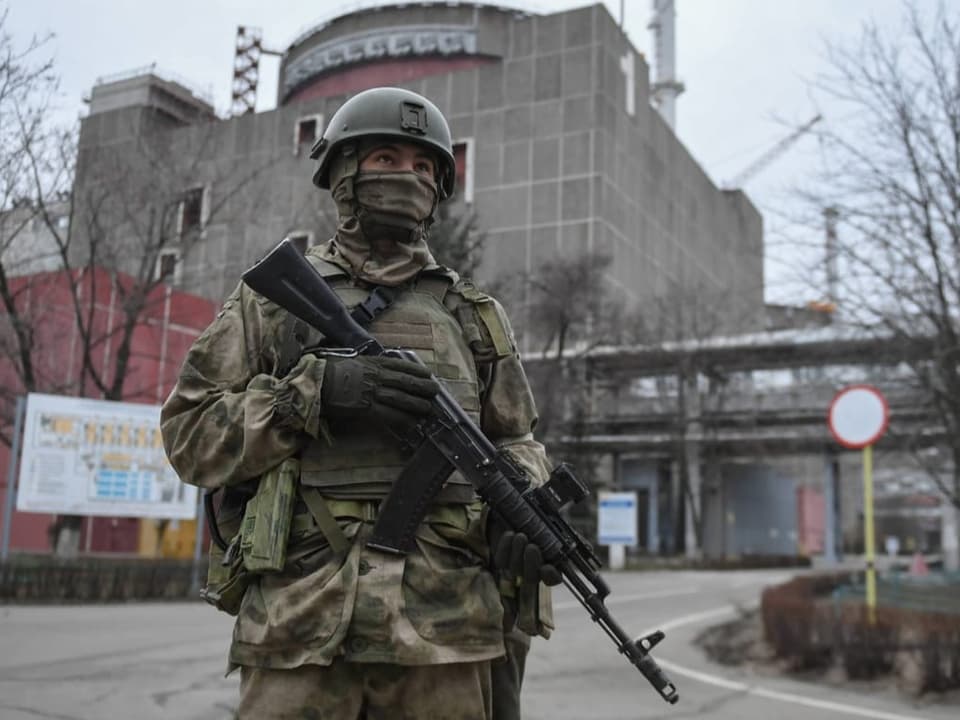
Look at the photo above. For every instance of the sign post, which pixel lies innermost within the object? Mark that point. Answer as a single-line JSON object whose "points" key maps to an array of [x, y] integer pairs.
{"points": [[617, 524], [12, 479], [858, 417]]}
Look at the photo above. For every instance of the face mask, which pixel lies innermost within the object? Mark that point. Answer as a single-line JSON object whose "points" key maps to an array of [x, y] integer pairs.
{"points": [[394, 205], [382, 232]]}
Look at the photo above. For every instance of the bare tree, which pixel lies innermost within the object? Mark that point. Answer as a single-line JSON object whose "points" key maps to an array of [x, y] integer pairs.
{"points": [[115, 220], [27, 82], [569, 304], [686, 317], [891, 180], [456, 240], [569, 300]]}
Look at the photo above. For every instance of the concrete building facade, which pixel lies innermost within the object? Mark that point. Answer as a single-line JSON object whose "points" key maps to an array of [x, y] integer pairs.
{"points": [[560, 152]]}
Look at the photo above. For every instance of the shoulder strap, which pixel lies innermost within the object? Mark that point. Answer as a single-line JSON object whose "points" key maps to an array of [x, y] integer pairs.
{"points": [[435, 285], [490, 318]]}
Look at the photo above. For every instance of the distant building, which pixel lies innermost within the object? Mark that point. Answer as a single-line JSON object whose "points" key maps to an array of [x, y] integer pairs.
{"points": [[170, 322], [559, 152], [28, 245], [741, 422]]}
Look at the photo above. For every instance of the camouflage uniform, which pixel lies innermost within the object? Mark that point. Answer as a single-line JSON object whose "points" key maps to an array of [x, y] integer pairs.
{"points": [[235, 413]]}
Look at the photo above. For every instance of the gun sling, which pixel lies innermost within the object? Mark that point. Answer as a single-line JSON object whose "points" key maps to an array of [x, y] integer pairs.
{"points": [[323, 517]]}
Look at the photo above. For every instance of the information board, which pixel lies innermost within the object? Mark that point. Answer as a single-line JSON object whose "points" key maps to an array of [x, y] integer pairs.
{"points": [[617, 518], [97, 457]]}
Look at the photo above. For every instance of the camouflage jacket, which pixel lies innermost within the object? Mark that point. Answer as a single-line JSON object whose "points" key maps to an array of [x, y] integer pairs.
{"points": [[229, 419]]}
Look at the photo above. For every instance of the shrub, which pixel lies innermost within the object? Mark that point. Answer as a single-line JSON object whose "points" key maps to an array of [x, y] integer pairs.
{"points": [[810, 624]]}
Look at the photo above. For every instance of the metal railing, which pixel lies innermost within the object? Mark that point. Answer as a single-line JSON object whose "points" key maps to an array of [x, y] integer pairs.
{"points": [[151, 69], [347, 8], [44, 578], [937, 592]]}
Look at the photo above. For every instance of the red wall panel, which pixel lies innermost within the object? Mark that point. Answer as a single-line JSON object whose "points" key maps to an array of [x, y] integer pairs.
{"points": [[347, 81], [165, 331]]}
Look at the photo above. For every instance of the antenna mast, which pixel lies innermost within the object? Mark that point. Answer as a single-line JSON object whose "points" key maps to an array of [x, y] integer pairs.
{"points": [[246, 69]]}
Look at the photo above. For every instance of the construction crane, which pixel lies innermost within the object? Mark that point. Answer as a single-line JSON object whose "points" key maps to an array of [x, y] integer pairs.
{"points": [[770, 155]]}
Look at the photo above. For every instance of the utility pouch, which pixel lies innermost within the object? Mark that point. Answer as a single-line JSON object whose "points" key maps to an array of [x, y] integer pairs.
{"points": [[227, 580], [267, 519], [535, 610]]}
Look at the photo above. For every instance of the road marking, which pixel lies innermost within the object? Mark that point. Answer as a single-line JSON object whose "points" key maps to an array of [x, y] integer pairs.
{"points": [[757, 691], [620, 600], [782, 696], [694, 618], [754, 580]]}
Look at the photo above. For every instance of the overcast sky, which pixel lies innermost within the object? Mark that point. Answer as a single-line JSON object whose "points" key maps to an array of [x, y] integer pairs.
{"points": [[745, 64]]}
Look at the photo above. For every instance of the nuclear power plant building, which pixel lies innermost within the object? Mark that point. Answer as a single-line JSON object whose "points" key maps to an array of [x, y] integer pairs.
{"points": [[559, 152]]}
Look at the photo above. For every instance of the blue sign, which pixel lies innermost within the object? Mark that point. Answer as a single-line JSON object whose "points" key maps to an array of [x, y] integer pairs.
{"points": [[617, 518]]}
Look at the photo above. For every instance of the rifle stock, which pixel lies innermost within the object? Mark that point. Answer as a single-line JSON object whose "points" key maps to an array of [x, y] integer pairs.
{"points": [[288, 279]]}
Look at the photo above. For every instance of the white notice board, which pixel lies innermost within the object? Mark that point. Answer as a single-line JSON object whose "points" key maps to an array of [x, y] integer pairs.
{"points": [[617, 518], [97, 457]]}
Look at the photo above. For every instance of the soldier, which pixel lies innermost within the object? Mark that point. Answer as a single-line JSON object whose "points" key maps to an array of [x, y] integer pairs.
{"points": [[340, 630]]}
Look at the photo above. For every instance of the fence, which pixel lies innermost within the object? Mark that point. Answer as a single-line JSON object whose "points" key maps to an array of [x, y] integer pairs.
{"points": [[935, 593], [41, 579]]}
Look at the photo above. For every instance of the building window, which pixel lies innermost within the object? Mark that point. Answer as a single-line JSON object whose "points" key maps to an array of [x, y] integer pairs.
{"points": [[306, 132], [193, 210], [301, 240], [168, 265], [463, 156]]}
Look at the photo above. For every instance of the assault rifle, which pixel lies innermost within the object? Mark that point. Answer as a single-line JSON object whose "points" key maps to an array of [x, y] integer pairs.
{"points": [[448, 440]]}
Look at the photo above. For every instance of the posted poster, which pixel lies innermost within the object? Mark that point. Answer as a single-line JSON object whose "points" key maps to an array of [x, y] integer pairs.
{"points": [[97, 457], [617, 518]]}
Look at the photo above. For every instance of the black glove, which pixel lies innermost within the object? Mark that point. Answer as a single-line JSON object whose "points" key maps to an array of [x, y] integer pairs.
{"points": [[519, 567], [394, 391], [520, 562]]}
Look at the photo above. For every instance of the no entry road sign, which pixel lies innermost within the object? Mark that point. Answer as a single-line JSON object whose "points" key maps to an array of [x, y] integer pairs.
{"points": [[858, 416]]}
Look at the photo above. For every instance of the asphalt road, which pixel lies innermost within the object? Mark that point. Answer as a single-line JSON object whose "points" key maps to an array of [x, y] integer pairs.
{"points": [[167, 660]]}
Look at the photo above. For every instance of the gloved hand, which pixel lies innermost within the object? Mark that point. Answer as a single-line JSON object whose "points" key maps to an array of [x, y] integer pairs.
{"points": [[520, 568], [520, 561], [394, 391]]}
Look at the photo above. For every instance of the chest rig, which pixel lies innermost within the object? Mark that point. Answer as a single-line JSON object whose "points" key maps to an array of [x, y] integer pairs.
{"points": [[439, 319]]}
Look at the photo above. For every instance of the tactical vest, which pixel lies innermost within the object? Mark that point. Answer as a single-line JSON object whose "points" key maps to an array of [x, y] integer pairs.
{"points": [[439, 321]]}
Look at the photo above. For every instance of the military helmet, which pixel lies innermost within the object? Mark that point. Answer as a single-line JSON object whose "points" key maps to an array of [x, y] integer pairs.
{"points": [[387, 112]]}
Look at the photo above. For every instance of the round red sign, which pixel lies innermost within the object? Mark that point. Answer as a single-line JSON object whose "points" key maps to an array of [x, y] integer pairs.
{"points": [[858, 416]]}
